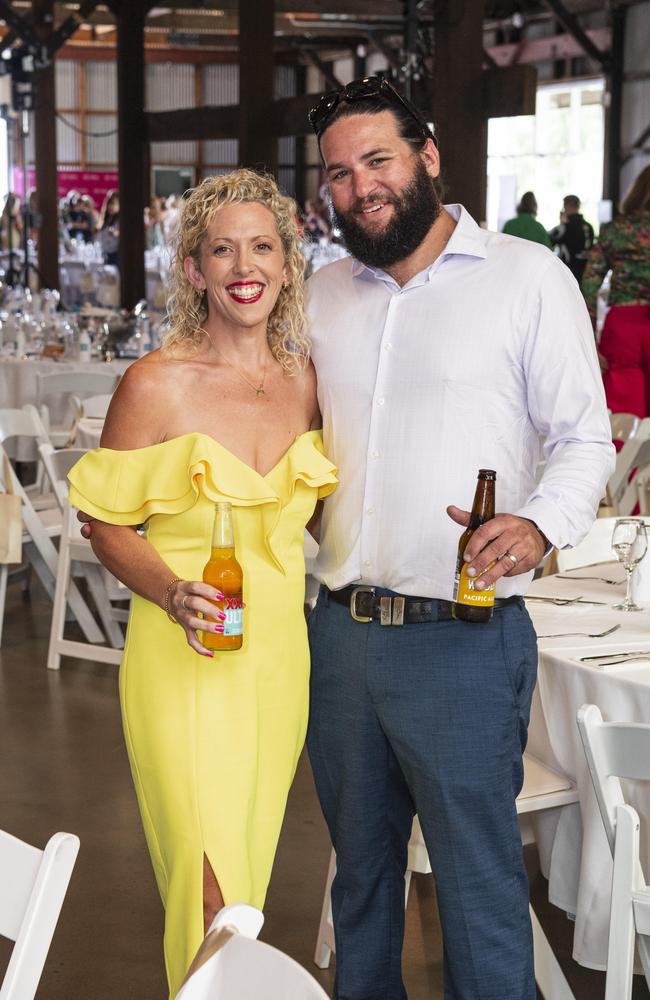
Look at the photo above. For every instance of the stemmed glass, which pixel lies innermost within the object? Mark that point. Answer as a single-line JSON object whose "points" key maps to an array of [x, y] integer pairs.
{"points": [[630, 543]]}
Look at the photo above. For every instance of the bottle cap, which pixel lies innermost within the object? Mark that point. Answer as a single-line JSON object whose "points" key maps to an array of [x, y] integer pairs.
{"points": [[487, 474]]}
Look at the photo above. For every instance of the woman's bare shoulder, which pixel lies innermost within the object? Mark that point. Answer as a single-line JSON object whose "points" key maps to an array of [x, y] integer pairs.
{"points": [[139, 409]]}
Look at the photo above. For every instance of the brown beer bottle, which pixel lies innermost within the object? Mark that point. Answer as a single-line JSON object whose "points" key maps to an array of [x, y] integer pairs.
{"points": [[224, 572], [472, 605]]}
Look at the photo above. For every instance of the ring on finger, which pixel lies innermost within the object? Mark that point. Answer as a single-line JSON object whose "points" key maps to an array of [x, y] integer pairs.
{"points": [[513, 559], [183, 602]]}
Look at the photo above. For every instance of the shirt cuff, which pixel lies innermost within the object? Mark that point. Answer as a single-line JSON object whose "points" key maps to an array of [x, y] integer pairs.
{"points": [[546, 519]]}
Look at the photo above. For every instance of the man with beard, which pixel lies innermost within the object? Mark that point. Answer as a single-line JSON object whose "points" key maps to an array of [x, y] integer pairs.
{"points": [[440, 348]]}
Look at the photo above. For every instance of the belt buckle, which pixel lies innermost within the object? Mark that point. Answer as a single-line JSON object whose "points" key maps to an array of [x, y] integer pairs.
{"points": [[353, 603]]}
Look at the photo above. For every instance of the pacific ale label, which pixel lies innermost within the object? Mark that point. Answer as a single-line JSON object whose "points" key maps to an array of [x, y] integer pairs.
{"points": [[465, 590], [234, 611]]}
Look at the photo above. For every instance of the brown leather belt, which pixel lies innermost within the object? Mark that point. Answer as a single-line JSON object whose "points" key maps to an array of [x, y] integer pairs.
{"points": [[365, 606]]}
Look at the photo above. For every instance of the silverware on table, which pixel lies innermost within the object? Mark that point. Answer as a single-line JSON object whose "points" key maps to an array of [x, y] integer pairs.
{"points": [[623, 659], [584, 635], [623, 654], [603, 579], [563, 602]]}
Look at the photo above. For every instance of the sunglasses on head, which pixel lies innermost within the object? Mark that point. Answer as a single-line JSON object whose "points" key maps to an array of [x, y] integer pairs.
{"points": [[359, 90]]}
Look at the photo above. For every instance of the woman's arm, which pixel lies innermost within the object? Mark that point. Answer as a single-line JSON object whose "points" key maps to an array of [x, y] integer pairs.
{"points": [[135, 419]]}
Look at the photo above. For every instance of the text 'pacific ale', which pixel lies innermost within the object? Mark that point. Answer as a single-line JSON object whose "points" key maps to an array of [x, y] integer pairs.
{"points": [[223, 572], [471, 605]]}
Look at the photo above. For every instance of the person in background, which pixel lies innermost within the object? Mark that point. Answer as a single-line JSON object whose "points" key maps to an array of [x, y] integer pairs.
{"points": [[88, 206], [109, 228], [316, 223], [524, 224], [624, 248], [76, 218], [11, 223], [172, 217], [153, 234], [573, 238], [32, 216]]}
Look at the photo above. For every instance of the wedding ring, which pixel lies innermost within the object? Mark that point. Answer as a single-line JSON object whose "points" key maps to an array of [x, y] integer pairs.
{"points": [[512, 558], [183, 602]]}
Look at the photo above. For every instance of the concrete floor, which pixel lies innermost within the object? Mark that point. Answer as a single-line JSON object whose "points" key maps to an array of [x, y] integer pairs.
{"points": [[63, 767]]}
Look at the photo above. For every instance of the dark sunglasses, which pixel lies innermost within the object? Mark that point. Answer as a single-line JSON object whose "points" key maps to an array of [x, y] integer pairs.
{"points": [[358, 90]]}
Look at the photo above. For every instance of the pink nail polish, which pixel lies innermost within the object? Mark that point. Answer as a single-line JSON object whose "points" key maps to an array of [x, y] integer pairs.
{"points": [[219, 596], [209, 654], [218, 628]]}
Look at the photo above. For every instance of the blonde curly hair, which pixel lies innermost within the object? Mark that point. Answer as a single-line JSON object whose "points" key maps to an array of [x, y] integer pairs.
{"points": [[187, 307]]}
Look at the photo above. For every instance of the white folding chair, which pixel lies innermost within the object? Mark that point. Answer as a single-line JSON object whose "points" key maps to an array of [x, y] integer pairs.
{"points": [[102, 585], [95, 407], [67, 384], [232, 964], [616, 750], [595, 547], [40, 527], [27, 423], [624, 426], [74, 548], [543, 790], [33, 885], [622, 491]]}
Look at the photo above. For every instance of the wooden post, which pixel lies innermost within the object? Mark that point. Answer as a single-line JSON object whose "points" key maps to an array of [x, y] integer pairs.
{"points": [[132, 158], [613, 113], [45, 154], [458, 109], [258, 147]]}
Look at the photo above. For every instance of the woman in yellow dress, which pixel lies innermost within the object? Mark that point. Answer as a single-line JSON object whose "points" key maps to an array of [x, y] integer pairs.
{"points": [[226, 410]]}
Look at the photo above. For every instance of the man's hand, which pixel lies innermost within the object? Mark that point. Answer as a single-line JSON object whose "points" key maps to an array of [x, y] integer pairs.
{"points": [[86, 523], [514, 544]]}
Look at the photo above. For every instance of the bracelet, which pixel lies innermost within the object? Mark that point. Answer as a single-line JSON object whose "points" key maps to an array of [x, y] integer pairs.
{"points": [[168, 590]]}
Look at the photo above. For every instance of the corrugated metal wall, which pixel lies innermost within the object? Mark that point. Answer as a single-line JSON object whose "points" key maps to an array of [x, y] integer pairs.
{"points": [[220, 84], [67, 79], [169, 86], [68, 140], [101, 86], [102, 147], [222, 152]]}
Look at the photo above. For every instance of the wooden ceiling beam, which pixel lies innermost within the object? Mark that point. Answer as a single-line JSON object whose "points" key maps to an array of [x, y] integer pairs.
{"points": [[570, 23]]}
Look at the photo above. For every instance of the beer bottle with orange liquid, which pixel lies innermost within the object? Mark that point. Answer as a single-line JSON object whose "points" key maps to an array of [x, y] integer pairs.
{"points": [[224, 572], [472, 605]]}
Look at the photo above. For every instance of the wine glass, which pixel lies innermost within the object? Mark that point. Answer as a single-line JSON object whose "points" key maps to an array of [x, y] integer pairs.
{"points": [[630, 543]]}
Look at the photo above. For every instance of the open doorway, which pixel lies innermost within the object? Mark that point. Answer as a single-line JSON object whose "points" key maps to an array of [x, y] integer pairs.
{"points": [[557, 151]]}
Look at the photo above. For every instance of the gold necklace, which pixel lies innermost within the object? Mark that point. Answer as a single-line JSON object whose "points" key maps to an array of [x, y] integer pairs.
{"points": [[257, 389]]}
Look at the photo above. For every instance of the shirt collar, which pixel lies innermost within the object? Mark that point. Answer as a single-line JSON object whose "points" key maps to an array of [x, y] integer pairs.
{"points": [[467, 240]]}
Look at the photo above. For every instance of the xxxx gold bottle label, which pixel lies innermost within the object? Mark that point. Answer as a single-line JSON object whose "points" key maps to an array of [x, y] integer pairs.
{"points": [[234, 611], [465, 588]]}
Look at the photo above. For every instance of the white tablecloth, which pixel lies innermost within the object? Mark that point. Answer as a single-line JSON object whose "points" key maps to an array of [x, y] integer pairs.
{"points": [[18, 385], [574, 852], [88, 432]]}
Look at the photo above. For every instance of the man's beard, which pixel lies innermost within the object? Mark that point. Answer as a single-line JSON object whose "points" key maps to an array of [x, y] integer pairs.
{"points": [[414, 212]]}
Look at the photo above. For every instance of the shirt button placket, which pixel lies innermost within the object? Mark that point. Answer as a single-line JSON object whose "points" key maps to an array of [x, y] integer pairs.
{"points": [[370, 525]]}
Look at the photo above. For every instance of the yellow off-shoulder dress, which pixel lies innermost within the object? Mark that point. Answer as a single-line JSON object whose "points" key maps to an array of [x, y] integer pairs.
{"points": [[213, 743]]}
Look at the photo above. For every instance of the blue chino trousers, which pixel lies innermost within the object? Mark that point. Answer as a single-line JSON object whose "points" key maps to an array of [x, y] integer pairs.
{"points": [[429, 718]]}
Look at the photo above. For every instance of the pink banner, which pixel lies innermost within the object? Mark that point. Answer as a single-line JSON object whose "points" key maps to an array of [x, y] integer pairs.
{"points": [[95, 183]]}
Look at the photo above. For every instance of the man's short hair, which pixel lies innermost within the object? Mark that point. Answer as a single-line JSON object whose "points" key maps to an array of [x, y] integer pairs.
{"points": [[572, 201]]}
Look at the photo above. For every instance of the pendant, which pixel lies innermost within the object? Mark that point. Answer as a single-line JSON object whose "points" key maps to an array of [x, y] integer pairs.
{"points": [[260, 392]]}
